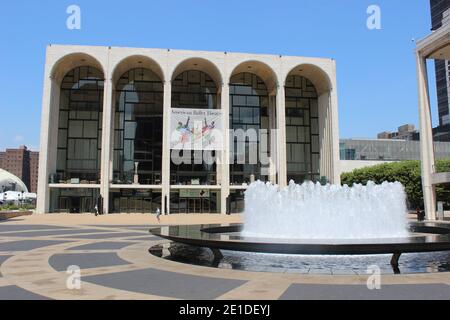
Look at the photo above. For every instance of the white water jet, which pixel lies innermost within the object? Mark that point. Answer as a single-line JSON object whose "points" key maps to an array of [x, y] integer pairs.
{"points": [[313, 211]]}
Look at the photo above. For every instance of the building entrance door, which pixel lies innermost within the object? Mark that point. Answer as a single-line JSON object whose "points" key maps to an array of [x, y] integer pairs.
{"points": [[74, 203], [194, 205], [87, 204], [194, 201], [76, 200]]}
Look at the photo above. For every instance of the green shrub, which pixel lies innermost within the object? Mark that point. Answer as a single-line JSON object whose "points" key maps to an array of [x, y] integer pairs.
{"points": [[407, 173], [14, 207]]}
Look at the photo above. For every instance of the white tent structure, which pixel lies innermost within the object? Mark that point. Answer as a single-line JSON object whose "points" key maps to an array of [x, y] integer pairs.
{"points": [[9, 181]]}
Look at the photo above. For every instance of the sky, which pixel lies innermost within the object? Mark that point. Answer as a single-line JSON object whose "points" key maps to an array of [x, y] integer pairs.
{"points": [[376, 71]]}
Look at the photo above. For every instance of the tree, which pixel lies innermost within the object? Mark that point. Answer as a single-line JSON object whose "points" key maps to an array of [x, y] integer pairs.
{"points": [[407, 173]]}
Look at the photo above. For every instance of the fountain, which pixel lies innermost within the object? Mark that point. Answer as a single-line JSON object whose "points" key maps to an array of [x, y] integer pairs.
{"points": [[313, 211], [315, 220]]}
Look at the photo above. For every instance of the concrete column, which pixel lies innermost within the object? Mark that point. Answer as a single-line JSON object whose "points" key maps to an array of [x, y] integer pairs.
{"points": [[219, 153], [273, 139], [113, 126], [426, 139], [166, 149], [329, 137], [330, 161], [281, 145], [107, 142], [48, 141], [334, 128], [323, 136], [225, 165], [326, 137]]}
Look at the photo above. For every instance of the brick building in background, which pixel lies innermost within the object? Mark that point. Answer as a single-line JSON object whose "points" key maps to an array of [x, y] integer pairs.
{"points": [[23, 163], [34, 166]]}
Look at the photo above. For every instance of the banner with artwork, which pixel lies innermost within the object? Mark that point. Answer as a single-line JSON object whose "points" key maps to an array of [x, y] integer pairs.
{"points": [[196, 129]]}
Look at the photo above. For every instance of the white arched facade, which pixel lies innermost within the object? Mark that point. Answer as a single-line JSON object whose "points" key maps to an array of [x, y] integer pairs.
{"points": [[167, 64]]}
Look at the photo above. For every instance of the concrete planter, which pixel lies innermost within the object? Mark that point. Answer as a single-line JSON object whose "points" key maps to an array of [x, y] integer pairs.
{"points": [[14, 214]]}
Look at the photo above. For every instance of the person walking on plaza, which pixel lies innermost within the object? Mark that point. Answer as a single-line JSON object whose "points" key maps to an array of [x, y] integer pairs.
{"points": [[158, 214]]}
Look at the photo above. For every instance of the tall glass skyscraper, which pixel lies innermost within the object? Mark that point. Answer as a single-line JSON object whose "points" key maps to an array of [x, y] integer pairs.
{"points": [[438, 7]]}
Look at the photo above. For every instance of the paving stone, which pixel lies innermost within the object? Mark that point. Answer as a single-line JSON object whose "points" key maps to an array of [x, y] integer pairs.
{"points": [[167, 284], [104, 235], [361, 292], [26, 245], [107, 245], [3, 259], [17, 293], [60, 262], [50, 233], [23, 227]]}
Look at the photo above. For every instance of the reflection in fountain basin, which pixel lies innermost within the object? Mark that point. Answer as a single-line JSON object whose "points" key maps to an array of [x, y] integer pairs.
{"points": [[293, 228], [312, 211], [305, 264], [184, 251], [225, 240]]}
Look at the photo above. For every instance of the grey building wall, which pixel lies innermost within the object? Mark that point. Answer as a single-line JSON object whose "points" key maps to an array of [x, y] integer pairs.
{"points": [[387, 150]]}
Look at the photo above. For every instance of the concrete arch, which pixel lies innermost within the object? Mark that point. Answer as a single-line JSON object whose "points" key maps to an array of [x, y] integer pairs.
{"points": [[328, 122], [319, 78], [261, 69], [136, 61], [72, 61], [199, 64]]}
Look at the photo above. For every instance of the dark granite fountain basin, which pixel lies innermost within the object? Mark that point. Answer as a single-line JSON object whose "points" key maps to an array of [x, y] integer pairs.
{"points": [[424, 237]]}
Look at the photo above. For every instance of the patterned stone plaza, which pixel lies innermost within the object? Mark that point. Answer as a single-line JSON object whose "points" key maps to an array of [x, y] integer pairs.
{"points": [[112, 253]]}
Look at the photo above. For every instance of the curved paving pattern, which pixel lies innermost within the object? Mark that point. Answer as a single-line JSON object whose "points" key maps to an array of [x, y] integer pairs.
{"points": [[166, 283], [3, 259], [107, 245], [26, 245], [62, 261], [115, 264]]}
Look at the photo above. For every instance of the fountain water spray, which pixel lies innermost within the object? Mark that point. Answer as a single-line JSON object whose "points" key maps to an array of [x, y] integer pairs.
{"points": [[313, 211]]}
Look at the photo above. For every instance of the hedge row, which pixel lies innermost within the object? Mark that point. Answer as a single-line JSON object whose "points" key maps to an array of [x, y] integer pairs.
{"points": [[405, 172], [13, 207]]}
